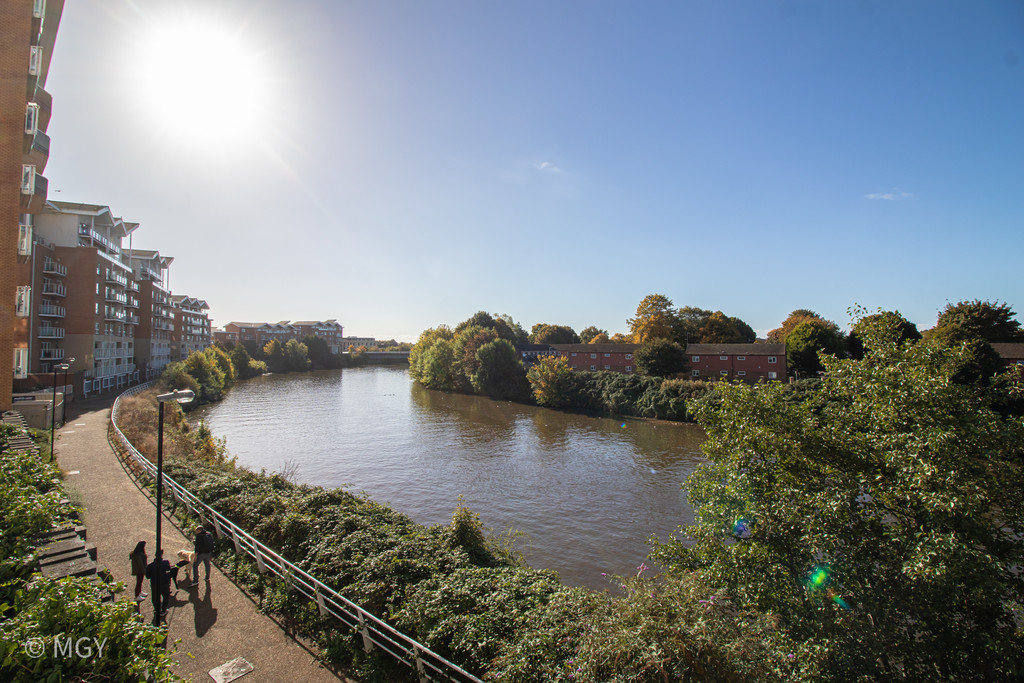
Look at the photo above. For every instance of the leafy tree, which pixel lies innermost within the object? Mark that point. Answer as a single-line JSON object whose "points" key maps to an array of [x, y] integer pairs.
{"points": [[438, 366], [691, 321], [899, 328], [319, 353], [466, 344], [509, 329], [549, 381], [876, 521], [619, 338], [660, 358], [718, 329], [746, 332], [588, 334], [221, 359], [246, 366], [800, 315], [207, 375], [985, 320], [980, 362], [296, 355], [273, 353], [602, 338], [422, 345], [542, 333], [655, 319], [806, 341], [499, 372]]}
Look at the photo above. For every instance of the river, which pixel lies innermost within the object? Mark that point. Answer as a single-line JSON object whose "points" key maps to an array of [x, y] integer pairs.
{"points": [[586, 492]]}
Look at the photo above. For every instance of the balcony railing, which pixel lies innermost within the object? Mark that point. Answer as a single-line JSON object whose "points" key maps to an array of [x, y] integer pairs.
{"points": [[51, 354], [51, 311], [132, 301], [132, 319], [115, 296], [115, 277], [51, 267], [48, 332], [113, 315], [54, 289], [133, 287]]}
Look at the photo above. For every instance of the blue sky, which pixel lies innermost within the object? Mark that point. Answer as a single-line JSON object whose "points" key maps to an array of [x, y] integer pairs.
{"points": [[397, 165]]}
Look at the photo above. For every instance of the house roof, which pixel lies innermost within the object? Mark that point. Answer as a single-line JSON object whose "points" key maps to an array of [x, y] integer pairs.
{"points": [[737, 349], [1009, 350], [596, 348]]}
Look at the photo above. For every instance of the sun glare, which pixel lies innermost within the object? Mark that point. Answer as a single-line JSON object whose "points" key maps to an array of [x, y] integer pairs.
{"points": [[203, 83]]}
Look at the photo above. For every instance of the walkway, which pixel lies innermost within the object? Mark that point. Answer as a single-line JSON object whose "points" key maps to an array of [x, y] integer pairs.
{"points": [[216, 622]]}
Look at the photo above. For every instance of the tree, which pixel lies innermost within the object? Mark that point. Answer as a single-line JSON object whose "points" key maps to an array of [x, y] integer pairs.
{"points": [[296, 356], [660, 358], [718, 329], [800, 315], [246, 366], [654, 319], [207, 375], [509, 329], [602, 338], [223, 362], [319, 353], [417, 355], [273, 352], [499, 372], [875, 521], [619, 338], [550, 381], [466, 344], [806, 341], [985, 320], [438, 366], [588, 334], [892, 322], [543, 333]]}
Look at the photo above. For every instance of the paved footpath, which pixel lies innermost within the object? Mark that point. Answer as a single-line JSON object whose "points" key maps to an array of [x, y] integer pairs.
{"points": [[215, 621]]}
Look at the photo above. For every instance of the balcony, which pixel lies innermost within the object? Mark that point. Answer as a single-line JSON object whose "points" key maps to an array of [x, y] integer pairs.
{"points": [[51, 354], [36, 149], [132, 302], [115, 277], [162, 325], [45, 102], [33, 190], [51, 267], [114, 296], [54, 289], [113, 314], [133, 286], [48, 332], [51, 311], [132, 319]]}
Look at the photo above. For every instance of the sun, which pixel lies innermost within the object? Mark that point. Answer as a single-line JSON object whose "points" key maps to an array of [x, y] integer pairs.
{"points": [[200, 82]]}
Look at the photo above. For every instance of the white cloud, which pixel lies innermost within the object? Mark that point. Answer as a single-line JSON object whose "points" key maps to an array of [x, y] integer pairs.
{"points": [[548, 167], [895, 195]]}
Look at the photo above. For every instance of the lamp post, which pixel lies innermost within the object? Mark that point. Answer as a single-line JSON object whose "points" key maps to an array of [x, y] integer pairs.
{"points": [[64, 403], [53, 407], [183, 396]]}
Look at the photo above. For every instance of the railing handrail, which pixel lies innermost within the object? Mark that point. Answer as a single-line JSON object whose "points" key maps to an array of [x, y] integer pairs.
{"points": [[375, 631]]}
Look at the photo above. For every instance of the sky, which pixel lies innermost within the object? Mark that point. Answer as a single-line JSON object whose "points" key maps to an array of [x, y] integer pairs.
{"points": [[396, 165]]}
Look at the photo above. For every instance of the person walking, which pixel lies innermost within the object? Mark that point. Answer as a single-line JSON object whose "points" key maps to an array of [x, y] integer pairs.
{"points": [[159, 574], [138, 558], [204, 545]]}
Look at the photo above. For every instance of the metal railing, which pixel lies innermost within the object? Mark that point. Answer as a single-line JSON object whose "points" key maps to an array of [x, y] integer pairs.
{"points": [[375, 632]]}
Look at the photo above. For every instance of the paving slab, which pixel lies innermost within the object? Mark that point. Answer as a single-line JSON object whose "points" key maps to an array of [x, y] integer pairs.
{"points": [[215, 621]]}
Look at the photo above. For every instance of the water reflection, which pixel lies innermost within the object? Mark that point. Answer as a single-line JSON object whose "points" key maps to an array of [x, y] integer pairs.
{"points": [[588, 491]]}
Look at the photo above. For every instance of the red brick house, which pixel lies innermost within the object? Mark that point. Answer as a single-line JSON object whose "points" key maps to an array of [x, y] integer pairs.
{"points": [[1012, 354], [746, 362], [614, 357]]}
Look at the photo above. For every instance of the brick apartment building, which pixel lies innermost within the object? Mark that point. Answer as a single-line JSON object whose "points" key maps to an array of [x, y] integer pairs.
{"points": [[153, 338], [192, 330], [28, 31], [746, 362], [260, 333], [613, 357]]}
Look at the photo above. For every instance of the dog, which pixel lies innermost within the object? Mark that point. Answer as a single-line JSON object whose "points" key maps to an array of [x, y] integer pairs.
{"points": [[185, 560]]}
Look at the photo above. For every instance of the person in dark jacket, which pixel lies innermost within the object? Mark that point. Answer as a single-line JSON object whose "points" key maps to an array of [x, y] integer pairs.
{"points": [[138, 558], [159, 574], [204, 551]]}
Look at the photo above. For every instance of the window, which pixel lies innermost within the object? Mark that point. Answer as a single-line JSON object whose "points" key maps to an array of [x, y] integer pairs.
{"points": [[593, 367], [607, 367], [24, 240], [35, 58], [607, 355], [573, 354], [695, 359], [28, 179], [593, 355], [20, 363], [723, 372], [773, 375], [22, 301], [31, 118], [723, 358], [741, 357], [38, 8], [771, 359], [695, 373], [629, 368], [741, 373], [629, 356]]}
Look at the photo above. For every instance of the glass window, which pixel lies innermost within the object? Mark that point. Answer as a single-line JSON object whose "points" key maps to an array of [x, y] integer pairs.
{"points": [[771, 359], [695, 373], [695, 359], [741, 357], [723, 358]]}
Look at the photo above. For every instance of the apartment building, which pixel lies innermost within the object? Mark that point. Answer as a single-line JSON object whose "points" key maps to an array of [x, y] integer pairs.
{"points": [[613, 357], [259, 333], [153, 338], [28, 31], [745, 362], [81, 303], [192, 330]]}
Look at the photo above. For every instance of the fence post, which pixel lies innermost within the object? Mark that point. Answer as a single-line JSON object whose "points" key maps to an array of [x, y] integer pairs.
{"points": [[420, 669], [320, 603], [216, 526], [259, 558], [367, 643]]}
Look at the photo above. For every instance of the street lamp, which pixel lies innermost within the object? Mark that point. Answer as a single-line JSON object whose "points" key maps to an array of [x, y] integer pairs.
{"points": [[53, 407], [64, 403], [182, 396]]}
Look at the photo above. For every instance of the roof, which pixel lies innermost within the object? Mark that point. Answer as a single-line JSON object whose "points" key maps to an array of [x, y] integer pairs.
{"points": [[737, 349], [1009, 350], [596, 348]]}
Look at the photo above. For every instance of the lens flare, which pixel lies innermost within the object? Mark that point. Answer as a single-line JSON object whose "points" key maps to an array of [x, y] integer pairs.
{"points": [[741, 528]]}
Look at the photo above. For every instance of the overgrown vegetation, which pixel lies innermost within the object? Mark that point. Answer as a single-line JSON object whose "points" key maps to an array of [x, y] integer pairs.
{"points": [[39, 615]]}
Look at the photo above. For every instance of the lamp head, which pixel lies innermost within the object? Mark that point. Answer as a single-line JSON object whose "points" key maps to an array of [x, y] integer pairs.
{"points": [[178, 395]]}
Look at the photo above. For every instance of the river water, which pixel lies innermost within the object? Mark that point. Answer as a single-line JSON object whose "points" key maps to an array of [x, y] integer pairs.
{"points": [[586, 492]]}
